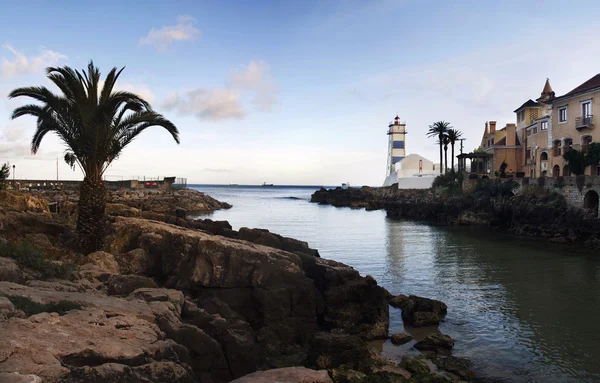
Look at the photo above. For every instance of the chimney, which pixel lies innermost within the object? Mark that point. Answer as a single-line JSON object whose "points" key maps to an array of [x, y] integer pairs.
{"points": [[486, 129], [492, 126]]}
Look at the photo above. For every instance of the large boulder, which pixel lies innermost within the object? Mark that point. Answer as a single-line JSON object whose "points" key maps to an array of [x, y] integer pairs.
{"points": [[437, 342], [418, 311], [286, 375], [401, 338]]}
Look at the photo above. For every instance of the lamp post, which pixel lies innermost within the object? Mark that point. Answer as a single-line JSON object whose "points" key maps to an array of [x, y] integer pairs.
{"points": [[13, 174]]}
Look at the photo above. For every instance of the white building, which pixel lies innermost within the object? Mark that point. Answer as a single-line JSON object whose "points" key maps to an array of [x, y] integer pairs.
{"points": [[413, 172]]}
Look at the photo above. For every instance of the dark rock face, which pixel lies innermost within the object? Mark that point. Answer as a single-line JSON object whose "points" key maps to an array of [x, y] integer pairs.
{"points": [[436, 342], [419, 311], [329, 351], [458, 366], [266, 238], [250, 306]]}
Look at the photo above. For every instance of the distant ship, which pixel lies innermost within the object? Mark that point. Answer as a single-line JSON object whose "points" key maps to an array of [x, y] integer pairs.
{"points": [[266, 184], [345, 185]]}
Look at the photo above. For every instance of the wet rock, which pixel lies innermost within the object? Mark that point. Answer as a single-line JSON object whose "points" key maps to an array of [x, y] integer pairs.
{"points": [[415, 365], [126, 284], [456, 365], [418, 311], [345, 375], [329, 351], [401, 338], [436, 342], [286, 375], [398, 301]]}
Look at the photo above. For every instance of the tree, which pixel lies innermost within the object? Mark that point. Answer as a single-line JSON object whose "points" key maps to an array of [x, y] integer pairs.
{"points": [[96, 123], [438, 130], [446, 142], [592, 156], [453, 135], [4, 174], [503, 167], [576, 161]]}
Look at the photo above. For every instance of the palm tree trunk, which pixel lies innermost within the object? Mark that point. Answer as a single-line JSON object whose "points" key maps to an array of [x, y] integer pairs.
{"points": [[91, 221], [446, 156], [452, 158], [441, 158]]}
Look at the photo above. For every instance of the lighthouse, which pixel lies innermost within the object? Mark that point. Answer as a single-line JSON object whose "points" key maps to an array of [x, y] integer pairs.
{"points": [[396, 144]]}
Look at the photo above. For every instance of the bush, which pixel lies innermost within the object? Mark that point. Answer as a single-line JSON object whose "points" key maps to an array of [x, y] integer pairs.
{"points": [[444, 180], [30, 257], [473, 176], [534, 190], [30, 307]]}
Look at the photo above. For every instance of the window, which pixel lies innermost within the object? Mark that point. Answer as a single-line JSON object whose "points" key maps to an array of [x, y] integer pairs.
{"points": [[585, 142], [556, 148], [398, 145], [535, 129], [521, 116], [528, 132], [544, 125], [492, 141], [586, 109], [528, 153], [562, 115]]}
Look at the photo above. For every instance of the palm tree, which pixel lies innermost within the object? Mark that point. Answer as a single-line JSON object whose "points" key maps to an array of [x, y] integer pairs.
{"points": [[446, 141], [453, 136], [439, 129], [96, 123]]}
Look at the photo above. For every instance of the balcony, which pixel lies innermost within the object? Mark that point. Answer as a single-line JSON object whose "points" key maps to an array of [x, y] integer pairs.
{"points": [[584, 122]]}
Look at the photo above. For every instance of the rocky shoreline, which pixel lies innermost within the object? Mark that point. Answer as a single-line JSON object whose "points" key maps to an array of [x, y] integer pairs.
{"points": [[172, 299], [535, 212]]}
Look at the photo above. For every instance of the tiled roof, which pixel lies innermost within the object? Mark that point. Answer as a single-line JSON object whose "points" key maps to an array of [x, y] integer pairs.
{"points": [[528, 104], [590, 84]]}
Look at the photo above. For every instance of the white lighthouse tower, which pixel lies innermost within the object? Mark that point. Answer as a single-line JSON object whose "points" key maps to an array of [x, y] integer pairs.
{"points": [[396, 145]]}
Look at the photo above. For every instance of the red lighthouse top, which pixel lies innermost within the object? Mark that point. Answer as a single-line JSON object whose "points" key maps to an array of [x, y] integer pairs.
{"points": [[397, 118]]}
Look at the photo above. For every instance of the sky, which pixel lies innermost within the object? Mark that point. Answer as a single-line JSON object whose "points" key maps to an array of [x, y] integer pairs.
{"points": [[292, 92]]}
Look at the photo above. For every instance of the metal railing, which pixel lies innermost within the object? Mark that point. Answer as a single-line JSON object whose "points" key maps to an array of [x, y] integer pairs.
{"points": [[583, 121]]}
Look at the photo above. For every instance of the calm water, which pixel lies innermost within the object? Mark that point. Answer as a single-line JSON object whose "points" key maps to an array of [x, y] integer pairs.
{"points": [[521, 309]]}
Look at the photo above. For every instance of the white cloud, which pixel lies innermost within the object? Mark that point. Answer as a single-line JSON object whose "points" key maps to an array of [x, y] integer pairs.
{"points": [[208, 104], [222, 103], [21, 64], [256, 77], [162, 38]]}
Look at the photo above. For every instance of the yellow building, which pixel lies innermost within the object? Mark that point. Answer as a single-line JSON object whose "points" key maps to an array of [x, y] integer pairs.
{"points": [[504, 145]]}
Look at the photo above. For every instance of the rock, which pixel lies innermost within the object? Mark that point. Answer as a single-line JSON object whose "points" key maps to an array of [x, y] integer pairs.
{"points": [[15, 377], [135, 261], [266, 238], [286, 375], [344, 375], [401, 338], [126, 284], [417, 366], [436, 342], [6, 305], [329, 351], [398, 301], [10, 271], [120, 373], [118, 209], [419, 311], [104, 261], [215, 227], [39, 240], [160, 295], [22, 202], [180, 213], [456, 365]]}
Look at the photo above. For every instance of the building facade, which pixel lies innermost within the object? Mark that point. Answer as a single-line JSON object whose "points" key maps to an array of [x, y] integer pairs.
{"points": [[546, 128]]}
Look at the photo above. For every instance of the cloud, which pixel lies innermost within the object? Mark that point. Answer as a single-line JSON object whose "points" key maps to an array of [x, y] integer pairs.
{"points": [[207, 104], [256, 77], [218, 170], [13, 141], [22, 65], [223, 103], [162, 38]]}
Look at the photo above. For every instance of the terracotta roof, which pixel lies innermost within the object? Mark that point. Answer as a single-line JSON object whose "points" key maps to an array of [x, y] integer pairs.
{"points": [[590, 84], [528, 104], [547, 87]]}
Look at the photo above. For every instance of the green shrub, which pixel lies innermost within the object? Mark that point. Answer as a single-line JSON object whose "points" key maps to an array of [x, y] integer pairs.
{"points": [[30, 307], [534, 190], [32, 258]]}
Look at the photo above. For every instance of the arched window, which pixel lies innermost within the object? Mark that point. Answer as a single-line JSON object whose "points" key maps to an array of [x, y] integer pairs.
{"points": [[556, 171], [544, 156]]}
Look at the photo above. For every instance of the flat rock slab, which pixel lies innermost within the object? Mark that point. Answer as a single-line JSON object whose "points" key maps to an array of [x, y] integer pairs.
{"points": [[286, 375]]}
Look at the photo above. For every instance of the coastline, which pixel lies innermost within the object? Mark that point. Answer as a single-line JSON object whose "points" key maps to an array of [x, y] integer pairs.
{"points": [[209, 293], [536, 212]]}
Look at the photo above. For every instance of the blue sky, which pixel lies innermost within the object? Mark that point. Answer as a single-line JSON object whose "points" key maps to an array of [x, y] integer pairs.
{"points": [[294, 92]]}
